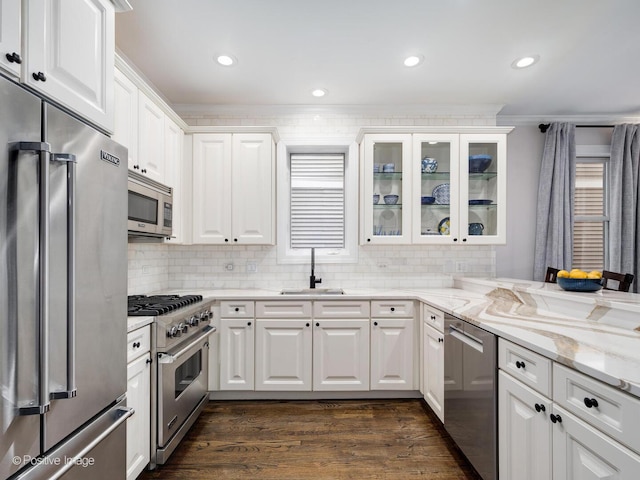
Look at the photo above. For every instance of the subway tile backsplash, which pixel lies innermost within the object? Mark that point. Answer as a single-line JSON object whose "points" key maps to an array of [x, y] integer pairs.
{"points": [[159, 267]]}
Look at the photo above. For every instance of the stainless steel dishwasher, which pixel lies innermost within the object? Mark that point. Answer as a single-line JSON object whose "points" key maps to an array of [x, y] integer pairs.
{"points": [[470, 396]]}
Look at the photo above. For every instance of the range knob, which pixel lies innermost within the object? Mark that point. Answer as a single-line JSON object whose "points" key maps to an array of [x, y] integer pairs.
{"points": [[182, 328], [206, 314], [194, 321], [172, 332]]}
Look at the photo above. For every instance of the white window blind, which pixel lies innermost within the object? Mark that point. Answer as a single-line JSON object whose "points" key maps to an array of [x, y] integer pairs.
{"points": [[317, 200], [590, 220]]}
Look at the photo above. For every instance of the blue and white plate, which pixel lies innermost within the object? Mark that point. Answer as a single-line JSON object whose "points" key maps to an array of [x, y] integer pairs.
{"points": [[444, 226], [441, 192]]}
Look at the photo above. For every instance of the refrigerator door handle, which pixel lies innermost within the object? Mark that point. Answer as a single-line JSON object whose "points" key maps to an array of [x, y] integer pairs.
{"points": [[41, 404], [71, 389]]}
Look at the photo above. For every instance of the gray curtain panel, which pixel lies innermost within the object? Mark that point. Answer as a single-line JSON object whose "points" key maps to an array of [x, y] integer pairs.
{"points": [[624, 216], [554, 219]]}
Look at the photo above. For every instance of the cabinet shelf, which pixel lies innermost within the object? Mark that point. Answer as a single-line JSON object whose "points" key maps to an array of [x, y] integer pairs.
{"points": [[483, 176], [397, 206], [387, 175]]}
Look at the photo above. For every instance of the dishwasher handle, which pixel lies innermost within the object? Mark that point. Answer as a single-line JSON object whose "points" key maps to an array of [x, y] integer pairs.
{"points": [[466, 338]]}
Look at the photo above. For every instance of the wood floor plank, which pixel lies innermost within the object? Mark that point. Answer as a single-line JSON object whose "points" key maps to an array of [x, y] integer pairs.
{"points": [[319, 440]]}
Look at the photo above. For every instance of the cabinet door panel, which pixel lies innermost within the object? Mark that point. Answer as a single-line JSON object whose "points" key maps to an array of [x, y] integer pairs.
{"points": [[283, 355], [524, 434], [434, 370], [341, 355], [236, 354], [211, 188], [252, 190], [72, 43], [392, 354], [580, 452], [138, 425], [173, 148], [151, 139], [125, 126], [10, 35]]}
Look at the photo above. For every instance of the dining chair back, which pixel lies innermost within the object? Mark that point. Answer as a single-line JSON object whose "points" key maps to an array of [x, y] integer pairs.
{"points": [[621, 281], [551, 275]]}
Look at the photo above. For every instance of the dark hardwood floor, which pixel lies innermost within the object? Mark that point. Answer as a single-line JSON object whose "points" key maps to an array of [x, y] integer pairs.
{"points": [[346, 439]]}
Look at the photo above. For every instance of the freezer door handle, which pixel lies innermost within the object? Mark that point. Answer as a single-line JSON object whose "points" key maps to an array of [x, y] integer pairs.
{"points": [[71, 389], [40, 404]]}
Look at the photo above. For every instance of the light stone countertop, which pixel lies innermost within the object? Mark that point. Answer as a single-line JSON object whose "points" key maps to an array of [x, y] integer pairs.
{"points": [[134, 323], [595, 333]]}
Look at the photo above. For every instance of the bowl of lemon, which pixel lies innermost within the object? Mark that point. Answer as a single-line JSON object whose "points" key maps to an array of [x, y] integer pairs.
{"points": [[577, 280]]}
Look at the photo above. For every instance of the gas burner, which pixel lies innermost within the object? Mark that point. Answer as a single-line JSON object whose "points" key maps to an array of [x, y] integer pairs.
{"points": [[154, 305]]}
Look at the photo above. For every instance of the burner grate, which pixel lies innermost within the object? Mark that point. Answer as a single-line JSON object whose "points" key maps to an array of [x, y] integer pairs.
{"points": [[154, 305]]}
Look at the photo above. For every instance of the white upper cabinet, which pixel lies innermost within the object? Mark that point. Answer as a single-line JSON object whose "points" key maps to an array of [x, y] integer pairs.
{"points": [[151, 155], [10, 45], [435, 186], [125, 124], [70, 55], [173, 151], [233, 188]]}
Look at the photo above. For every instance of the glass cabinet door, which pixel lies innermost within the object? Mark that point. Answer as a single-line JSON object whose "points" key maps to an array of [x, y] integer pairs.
{"points": [[386, 189], [435, 165], [483, 185]]}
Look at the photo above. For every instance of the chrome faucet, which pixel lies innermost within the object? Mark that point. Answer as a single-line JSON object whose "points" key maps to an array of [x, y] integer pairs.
{"points": [[313, 281]]}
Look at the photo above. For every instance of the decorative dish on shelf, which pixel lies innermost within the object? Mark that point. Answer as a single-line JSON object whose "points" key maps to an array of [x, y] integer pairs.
{"points": [[427, 200], [444, 226], [441, 193], [480, 202]]}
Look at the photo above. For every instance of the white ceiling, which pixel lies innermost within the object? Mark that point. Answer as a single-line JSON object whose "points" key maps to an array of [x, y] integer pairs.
{"points": [[589, 53]]}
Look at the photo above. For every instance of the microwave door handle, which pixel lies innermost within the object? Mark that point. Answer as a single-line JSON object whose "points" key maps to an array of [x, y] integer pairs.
{"points": [[40, 404], [71, 162]]}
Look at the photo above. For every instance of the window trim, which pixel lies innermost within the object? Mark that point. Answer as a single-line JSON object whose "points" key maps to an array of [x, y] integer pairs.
{"points": [[348, 147]]}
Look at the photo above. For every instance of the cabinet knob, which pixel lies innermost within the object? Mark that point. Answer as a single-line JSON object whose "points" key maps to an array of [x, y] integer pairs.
{"points": [[555, 418], [235, 239], [393, 309], [464, 239], [237, 309], [590, 402], [136, 344], [455, 239], [136, 167], [433, 317], [440, 340], [368, 239], [317, 324], [144, 170], [307, 324], [226, 239], [39, 77], [249, 323], [149, 360], [14, 58], [520, 364], [540, 408], [375, 323]]}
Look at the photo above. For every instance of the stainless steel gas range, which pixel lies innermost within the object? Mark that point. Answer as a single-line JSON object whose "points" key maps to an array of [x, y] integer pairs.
{"points": [[180, 352]]}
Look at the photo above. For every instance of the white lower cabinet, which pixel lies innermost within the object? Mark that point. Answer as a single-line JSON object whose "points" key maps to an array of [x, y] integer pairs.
{"points": [[237, 353], [540, 440], [139, 424], [341, 354], [283, 355], [433, 369], [392, 354]]}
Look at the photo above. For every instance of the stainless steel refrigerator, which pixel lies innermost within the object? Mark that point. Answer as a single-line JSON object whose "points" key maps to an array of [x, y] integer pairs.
{"points": [[63, 291]]}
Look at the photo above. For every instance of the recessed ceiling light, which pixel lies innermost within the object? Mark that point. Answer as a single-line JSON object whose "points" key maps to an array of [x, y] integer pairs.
{"points": [[319, 92], [525, 62], [413, 60], [226, 60]]}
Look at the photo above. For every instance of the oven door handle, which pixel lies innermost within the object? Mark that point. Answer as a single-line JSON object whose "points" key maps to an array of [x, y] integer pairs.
{"points": [[173, 357], [464, 337]]}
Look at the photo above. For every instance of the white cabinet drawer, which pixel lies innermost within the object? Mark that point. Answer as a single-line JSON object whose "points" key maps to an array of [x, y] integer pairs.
{"points": [[283, 309], [433, 317], [613, 412], [138, 342], [392, 308], [238, 309], [341, 309], [529, 367]]}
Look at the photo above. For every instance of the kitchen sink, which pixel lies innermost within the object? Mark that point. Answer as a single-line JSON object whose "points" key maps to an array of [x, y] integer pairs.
{"points": [[313, 291]]}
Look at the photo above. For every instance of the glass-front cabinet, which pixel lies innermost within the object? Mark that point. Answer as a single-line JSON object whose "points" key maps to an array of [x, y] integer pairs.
{"points": [[434, 187], [386, 198]]}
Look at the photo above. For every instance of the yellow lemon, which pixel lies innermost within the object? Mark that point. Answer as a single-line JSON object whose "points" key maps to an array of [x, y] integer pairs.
{"points": [[595, 274], [577, 274], [563, 274], [573, 270]]}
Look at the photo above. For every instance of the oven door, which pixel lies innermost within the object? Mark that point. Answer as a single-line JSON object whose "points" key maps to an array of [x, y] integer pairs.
{"points": [[182, 384]]}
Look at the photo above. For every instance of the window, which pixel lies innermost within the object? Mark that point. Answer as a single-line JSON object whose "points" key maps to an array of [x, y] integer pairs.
{"points": [[317, 201], [591, 221]]}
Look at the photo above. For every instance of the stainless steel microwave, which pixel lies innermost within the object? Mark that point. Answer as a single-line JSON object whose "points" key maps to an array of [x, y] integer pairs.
{"points": [[150, 207]]}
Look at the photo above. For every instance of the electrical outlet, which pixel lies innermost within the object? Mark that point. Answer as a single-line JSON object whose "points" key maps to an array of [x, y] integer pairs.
{"points": [[383, 265], [252, 267], [229, 267]]}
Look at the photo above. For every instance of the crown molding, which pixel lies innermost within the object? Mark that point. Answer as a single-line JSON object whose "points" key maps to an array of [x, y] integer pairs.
{"points": [[609, 119], [480, 110]]}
